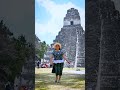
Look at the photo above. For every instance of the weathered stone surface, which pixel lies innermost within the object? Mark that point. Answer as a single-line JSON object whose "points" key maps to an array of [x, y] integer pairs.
{"points": [[92, 42], [103, 27], [108, 68]]}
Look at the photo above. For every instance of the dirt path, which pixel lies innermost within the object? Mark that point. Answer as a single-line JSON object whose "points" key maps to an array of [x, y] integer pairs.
{"points": [[44, 80]]}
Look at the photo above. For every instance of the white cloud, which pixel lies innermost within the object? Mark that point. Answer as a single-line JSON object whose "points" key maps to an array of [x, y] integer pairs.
{"points": [[57, 13]]}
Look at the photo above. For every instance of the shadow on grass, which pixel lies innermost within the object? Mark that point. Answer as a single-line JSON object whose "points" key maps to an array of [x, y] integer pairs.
{"points": [[44, 80]]}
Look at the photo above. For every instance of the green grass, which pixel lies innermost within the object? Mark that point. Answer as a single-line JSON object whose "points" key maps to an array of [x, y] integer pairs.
{"points": [[74, 68], [44, 80]]}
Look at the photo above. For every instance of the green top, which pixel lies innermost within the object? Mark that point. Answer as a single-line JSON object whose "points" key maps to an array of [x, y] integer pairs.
{"points": [[58, 55]]}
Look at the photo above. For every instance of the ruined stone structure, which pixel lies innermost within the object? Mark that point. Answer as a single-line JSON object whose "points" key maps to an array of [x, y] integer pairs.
{"points": [[102, 45], [71, 36]]}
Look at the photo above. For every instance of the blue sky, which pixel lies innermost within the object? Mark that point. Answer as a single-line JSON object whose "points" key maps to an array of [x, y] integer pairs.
{"points": [[49, 16]]}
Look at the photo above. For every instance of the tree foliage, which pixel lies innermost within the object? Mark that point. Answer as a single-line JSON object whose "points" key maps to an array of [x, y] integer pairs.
{"points": [[42, 49], [13, 52]]}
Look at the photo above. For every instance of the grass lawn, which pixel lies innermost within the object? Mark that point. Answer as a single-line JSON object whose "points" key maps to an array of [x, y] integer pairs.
{"points": [[74, 68], [44, 80]]}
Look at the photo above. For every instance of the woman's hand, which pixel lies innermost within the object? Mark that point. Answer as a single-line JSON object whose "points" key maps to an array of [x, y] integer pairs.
{"points": [[68, 62]]}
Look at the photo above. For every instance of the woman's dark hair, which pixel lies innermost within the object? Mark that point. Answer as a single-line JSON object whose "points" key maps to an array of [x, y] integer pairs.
{"points": [[59, 49]]}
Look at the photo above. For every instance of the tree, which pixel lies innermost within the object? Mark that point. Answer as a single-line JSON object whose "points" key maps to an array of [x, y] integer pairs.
{"points": [[41, 47], [13, 53]]}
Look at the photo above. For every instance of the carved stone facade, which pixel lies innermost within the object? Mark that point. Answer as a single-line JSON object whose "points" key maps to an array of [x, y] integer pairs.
{"points": [[68, 36], [102, 45]]}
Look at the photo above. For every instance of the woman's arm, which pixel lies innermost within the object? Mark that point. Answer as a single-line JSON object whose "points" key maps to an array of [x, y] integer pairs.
{"points": [[65, 58], [51, 59]]}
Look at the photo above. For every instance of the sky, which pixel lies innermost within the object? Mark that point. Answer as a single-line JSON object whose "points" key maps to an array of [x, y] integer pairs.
{"points": [[49, 16]]}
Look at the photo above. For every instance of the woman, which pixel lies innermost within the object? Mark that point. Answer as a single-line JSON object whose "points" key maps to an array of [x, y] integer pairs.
{"points": [[58, 61]]}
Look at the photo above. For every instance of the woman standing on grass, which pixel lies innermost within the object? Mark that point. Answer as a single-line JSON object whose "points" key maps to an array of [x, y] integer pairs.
{"points": [[58, 61]]}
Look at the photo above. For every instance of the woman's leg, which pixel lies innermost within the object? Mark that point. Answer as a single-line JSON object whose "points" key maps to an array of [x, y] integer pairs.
{"points": [[60, 70], [59, 77], [56, 78], [56, 72]]}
